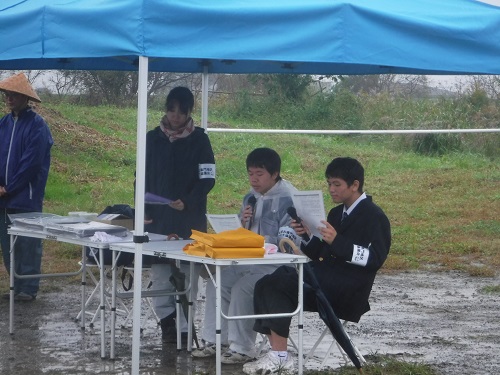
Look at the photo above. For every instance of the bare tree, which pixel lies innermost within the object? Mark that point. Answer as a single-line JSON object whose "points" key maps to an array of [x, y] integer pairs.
{"points": [[32, 75], [116, 87], [489, 83]]}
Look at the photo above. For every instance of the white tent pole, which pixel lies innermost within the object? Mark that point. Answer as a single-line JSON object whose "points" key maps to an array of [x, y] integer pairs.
{"points": [[204, 98], [140, 177]]}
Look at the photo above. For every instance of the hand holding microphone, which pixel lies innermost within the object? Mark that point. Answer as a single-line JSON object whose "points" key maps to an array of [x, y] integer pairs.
{"points": [[298, 226], [252, 201]]}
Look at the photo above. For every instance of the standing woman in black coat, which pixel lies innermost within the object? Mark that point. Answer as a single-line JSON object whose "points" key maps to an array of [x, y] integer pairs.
{"points": [[180, 166]]}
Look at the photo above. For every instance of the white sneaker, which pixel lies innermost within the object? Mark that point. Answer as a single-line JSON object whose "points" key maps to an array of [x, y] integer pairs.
{"points": [[231, 357], [209, 350], [269, 364]]}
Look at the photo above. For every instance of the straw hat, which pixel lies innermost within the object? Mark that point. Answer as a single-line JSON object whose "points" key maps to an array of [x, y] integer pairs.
{"points": [[20, 84]]}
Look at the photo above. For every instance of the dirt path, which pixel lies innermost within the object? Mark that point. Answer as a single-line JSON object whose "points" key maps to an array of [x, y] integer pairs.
{"points": [[437, 318]]}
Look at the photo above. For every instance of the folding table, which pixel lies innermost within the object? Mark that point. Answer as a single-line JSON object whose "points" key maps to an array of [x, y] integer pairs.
{"points": [[83, 242], [173, 250]]}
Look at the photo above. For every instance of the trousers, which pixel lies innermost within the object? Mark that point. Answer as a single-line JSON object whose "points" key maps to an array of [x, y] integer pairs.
{"points": [[238, 283], [165, 305], [28, 256]]}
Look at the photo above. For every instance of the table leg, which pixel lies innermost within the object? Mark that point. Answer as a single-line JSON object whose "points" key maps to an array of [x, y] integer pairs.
{"points": [[190, 309], [113, 303], [11, 289], [83, 289], [103, 305], [301, 318], [178, 310], [218, 321]]}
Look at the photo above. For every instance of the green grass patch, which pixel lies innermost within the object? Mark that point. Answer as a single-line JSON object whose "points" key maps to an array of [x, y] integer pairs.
{"points": [[381, 365], [491, 289]]}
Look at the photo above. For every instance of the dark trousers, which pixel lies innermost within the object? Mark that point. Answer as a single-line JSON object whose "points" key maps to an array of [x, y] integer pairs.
{"points": [[28, 255], [278, 293]]}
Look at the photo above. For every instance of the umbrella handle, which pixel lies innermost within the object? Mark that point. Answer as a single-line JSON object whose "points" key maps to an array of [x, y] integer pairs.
{"points": [[289, 242]]}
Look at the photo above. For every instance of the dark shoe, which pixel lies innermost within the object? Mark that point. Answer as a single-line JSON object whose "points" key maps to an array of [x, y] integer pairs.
{"points": [[205, 352], [19, 297], [168, 330], [169, 335], [168, 321], [24, 297], [184, 338]]}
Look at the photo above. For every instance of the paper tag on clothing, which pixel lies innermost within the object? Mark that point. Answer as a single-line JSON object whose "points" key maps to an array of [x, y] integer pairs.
{"points": [[206, 171], [360, 255]]}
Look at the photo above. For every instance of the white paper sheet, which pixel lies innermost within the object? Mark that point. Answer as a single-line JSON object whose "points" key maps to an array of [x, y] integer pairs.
{"points": [[310, 208], [221, 223], [150, 198]]}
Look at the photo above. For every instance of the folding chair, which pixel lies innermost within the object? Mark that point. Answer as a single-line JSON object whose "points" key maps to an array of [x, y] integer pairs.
{"points": [[94, 295], [149, 310], [328, 355], [326, 330]]}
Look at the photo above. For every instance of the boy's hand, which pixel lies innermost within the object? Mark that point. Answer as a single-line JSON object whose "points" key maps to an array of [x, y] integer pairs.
{"points": [[328, 233], [301, 229], [246, 215]]}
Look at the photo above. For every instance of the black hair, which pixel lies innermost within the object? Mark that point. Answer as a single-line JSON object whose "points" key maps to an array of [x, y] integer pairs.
{"points": [[265, 158], [181, 96], [348, 169]]}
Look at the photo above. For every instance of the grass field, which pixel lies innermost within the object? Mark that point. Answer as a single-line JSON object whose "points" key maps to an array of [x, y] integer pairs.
{"points": [[444, 210]]}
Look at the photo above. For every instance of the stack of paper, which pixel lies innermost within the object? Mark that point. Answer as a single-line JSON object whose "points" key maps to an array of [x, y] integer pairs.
{"points": [[39, 221], [87, 229], [237, 243]]}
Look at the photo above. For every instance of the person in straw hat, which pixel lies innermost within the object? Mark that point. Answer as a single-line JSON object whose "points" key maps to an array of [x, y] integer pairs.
{"points": [[25, 143]]}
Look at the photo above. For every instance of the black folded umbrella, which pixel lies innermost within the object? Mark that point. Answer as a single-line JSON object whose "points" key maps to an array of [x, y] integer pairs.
{"points": [[325, 310]]}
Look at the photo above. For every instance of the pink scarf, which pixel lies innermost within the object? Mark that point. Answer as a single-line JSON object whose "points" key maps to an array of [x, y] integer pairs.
{"points": [[172, 134]]}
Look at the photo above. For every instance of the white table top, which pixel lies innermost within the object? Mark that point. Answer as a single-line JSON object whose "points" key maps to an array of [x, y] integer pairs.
{"points": [[173, 250], [83, 241]]}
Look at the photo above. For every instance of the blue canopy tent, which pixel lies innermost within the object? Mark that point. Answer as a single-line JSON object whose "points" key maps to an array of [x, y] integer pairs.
{"points": [[258, 36], [247, 36]]}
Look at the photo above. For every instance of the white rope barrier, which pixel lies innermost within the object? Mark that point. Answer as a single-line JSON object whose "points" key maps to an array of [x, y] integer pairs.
{"points": [[414, 131]]}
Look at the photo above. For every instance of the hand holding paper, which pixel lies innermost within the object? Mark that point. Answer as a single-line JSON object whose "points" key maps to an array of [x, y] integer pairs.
{"points": [[328, 233], [310, 208]]}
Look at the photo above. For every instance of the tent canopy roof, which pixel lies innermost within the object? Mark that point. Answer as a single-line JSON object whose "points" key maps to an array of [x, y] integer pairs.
{"points": [[253, 36]]}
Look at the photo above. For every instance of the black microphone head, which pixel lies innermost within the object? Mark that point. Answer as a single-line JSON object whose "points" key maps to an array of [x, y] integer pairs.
{"points": [[292, 212], [252, 201]]}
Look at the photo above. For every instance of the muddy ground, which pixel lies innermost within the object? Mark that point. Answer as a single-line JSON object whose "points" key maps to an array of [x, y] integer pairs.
{"points": [[442, 319]]}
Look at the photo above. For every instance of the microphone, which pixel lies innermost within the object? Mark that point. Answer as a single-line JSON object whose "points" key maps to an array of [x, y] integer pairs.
{"points": [[252, 201], [293, 214]]}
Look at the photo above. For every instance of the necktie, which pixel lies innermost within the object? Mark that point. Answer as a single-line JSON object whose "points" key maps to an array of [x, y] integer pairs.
{"points": [[344, 216]]}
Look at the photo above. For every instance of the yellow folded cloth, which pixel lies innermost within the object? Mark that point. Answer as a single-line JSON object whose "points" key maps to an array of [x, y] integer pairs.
{"points": [[200, 249], [235, 252], [195, 248], [238, 243], [240, 237]]}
